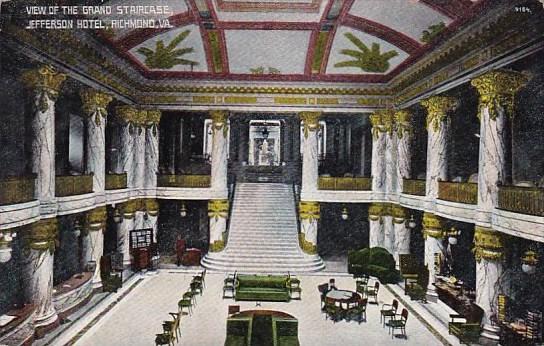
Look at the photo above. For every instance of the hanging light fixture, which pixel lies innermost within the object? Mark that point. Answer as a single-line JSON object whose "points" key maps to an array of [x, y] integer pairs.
{"points": [[146, 214], [265, 132], [452, 235], [117, 218], [529, 261], [183, 210], [345, 214], [412, 222]]}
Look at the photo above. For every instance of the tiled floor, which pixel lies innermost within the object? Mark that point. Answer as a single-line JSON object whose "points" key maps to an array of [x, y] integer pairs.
{"points": [[136, 319]]}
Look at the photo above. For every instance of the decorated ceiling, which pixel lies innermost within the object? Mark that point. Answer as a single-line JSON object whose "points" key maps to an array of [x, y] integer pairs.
{"points": [[292, 40]]}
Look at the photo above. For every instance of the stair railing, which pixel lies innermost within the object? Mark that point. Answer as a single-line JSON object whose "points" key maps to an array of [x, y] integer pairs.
{"points": [[232, 190], [296, 194]]}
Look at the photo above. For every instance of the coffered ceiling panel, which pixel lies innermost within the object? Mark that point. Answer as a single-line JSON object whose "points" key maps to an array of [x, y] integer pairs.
{"points": [[269, 11], [267, 51]]}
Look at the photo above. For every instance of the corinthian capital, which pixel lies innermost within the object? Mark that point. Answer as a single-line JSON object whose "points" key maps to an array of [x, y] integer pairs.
{"points": [[437, 110], [95, 103], [402, 120], [127, 114], [45, 81], [382, 121], [41, 235], [432, 226], [96, 219], [311, 121], [498, 89]]}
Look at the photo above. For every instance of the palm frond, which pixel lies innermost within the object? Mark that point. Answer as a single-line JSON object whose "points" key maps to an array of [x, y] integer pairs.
{"points": [[177, 40], [185, 62], [356, 41], [348, 63], [182, 51], [145, 51], [353, 53]]}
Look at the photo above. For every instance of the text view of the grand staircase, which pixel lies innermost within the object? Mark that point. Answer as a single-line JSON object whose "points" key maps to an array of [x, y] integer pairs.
{"points": [[263, 233]]}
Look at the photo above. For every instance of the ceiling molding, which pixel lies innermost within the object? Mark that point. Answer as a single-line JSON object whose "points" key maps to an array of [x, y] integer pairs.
{"points": [[268, 6], [454, 9]]}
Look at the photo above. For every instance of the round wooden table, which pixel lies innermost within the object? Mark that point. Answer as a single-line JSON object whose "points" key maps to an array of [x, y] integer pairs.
{"points": [[343, 298]]}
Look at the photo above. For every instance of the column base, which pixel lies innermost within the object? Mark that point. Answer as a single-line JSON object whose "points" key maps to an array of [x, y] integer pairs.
{"points": [[45, 324], [491, 332], [431, 295]]}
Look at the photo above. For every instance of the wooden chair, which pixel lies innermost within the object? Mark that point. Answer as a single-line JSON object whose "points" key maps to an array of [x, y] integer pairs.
{"points": [[399, 322], [165, 338], [173, 326], [361, 283], [358, 313], [388, 311], [372, 292], [195, 287], [333, 312], [201, 278], [185, 304], [293, 284], [190, 295], [465, 331], [323, 292]]}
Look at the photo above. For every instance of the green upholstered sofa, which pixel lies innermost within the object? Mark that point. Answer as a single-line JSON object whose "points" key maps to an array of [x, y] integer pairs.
{"points": [[262, 288], [262, 331]]}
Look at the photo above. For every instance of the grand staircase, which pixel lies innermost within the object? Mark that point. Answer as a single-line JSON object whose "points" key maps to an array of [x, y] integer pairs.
{"points": [[263, 233]]}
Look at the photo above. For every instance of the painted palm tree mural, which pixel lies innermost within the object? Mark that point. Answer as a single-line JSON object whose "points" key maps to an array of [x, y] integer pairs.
{"points": [[367, 59], [166, 57]]}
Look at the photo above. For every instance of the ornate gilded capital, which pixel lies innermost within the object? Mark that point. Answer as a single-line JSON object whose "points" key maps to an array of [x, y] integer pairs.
{"points": [[219, 120], [376, 210], [309, 210], [433, 226], [218, 208], [153, 117], [398, 213], [42, 235], [95, 103], [310, 120], [151, 205], [130, 208], [46, 82], [382, 121], [437, 110], [96, 219], [488, 244], [127, 114], [402, 121], [140, 118], [498, 89]]}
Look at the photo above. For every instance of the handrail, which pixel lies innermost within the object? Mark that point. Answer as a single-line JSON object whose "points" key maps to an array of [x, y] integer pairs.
{"points": [[231, 202], [414, 187], [345, 183], [524, 200], [181, 180], [458, 192], [72, 185], [16, 190]]}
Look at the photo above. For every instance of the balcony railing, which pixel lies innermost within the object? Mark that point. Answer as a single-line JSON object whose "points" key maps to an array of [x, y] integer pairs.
{"points": [[173, 180], [345, 184], [72, 185], [16, 190], [413, 187], [524, 200], [466, 193], [116, 181]]}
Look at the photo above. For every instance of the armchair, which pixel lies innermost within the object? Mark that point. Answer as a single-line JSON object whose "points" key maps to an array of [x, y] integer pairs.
{"points": [[173, 326], [398, 322], [358, 313], [372, 292], [389, 311]]}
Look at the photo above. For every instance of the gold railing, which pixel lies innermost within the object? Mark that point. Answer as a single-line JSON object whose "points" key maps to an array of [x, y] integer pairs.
{"points": [[413, 187], [116, 181], [345, 184], [184, 180], [16, 190], [71, 185], [524, 200], [466, 193]]}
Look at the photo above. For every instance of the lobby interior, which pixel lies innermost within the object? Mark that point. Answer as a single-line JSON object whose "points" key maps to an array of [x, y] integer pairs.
{"points": [[290, 141]]}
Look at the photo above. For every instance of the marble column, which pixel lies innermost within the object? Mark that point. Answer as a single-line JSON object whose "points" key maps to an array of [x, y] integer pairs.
{"points": [[490, 278], [94, 107], [388, 120], [404, 153], [124, 229], [388, 233], [376, 236], [309, 213], [37, 267], [402, 232], [378, 171], [219, 151], [497, 91], [152, 149], [127, 116], [433, 232], [139, 150], [309, 154], [45, 82], [218, 212], [438, 125], [95, 225], [152, 210]]}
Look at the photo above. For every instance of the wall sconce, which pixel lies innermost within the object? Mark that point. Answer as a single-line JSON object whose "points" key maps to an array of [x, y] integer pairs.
{"points": [[183, 210], [412, 222], [529, 262], [117, 218], [6, 238], [146, 215], [77, 228], [345, 214]]}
